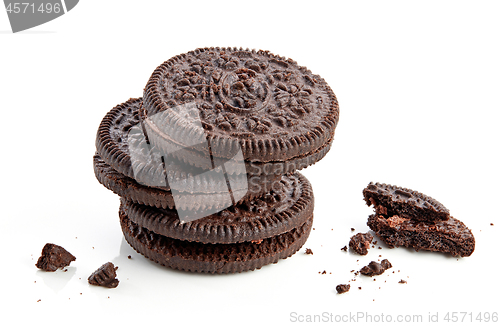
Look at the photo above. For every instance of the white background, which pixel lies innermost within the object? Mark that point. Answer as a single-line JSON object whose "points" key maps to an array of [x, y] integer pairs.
{"points": [[418, 85]]}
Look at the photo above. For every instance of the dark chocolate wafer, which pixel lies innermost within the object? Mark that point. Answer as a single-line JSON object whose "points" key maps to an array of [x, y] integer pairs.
{"points": [[132, 168], [288, 205], [123, 145], [393, 200], [213, 258], [450, 236], [268, 106], [131, 190]]}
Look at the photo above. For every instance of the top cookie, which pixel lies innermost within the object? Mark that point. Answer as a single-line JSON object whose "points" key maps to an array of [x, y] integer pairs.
{"points": [[391, 200], [270, 107]]}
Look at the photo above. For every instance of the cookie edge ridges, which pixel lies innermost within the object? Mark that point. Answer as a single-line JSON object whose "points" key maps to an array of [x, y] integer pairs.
{"points": [[253, 150]]}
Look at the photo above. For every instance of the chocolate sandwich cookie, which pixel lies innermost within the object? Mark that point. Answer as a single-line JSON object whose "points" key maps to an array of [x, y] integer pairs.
{"points": [[213, 103], [130, 166], [131, 190], [213, 258], [391, 200], [128, 188], [112, 138], [450, 236], [122, 144], [287, 206]]}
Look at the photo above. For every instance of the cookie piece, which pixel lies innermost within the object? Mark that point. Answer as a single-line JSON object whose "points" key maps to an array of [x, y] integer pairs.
{"points": [[372, 269], [343, 288], [393, 200], [386, 264], [360, 243], [54, 257], [213, 258], [131, 190], [105, 276], [450, 236], [284, 208], [266, 105]]}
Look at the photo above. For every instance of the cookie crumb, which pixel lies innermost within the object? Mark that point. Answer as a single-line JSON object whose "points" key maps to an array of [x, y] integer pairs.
{"points": [[38, 300], [403, 281], [360, 243], [324, 272], [353, 229], [344, 248], [54, 257], [386, 264], [374, 268], [308, 251], [129, 257], [343, 288], [105, 276]]}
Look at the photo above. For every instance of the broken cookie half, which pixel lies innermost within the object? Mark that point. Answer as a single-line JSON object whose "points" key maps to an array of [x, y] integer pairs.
{"points": [[404, 217]]}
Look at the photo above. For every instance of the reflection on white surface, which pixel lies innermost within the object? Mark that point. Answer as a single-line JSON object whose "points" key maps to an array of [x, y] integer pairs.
{"points": [[58, 279]]}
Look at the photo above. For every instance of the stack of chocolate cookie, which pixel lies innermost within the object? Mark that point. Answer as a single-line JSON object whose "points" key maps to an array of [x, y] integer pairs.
{"points": [[205, 163]]}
